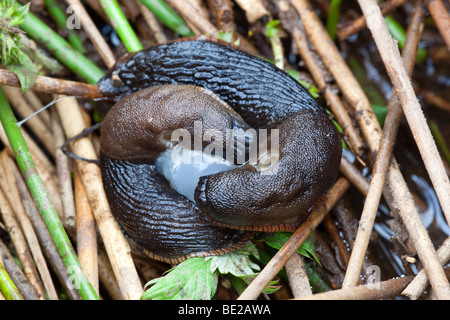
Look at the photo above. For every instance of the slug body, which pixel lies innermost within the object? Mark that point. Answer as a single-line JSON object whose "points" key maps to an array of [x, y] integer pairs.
{"points": [[179, 85]]}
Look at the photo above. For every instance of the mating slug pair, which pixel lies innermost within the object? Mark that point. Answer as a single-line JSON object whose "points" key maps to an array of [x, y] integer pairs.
{"points": [[201, 86]]}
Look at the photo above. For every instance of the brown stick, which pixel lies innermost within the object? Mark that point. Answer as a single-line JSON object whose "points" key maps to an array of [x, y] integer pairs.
{"points": [[381, 290], [35, 102], [441, 18], [86, 233], [20, 105], [17, 276], [354, 176], [254, 9], [96, 37], [417, 122], [191, 14], [222, 11], [64, 174], [115, 243], [360, 23], [45, 240], [298, 279], [54, 85], [420, 282], [396, 192], [18, 239], [294, 242], [8, 184], [381, 165], [153, 23], [411, 107]]}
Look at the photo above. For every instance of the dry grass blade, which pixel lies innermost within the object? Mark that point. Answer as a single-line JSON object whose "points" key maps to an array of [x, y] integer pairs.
{"points": [[382, 290], [397, 192], [96, 37], [115, 242], [54, 85], [441, 17], [86, 233], [413, 112], [8, 185], [383, 159]]}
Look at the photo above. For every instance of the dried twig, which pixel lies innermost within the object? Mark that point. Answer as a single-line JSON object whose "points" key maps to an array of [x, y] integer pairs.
{"points": [[86, 233], [381, 165], [222, 12], [18, 239], [254, 9], [153, 23], [24, 289], [21, 106], [298, 279], [396, 192], [420, 282], [411, 107], [360, 23], [380, 290], [64, 174], [96, 37], [54, 85], [42, 232], [417, 123], [8, 184], [441, 18], [191, 14], [113, 238]]}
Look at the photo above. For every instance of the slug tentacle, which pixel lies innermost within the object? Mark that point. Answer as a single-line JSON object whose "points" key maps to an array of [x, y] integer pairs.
{"points": [[277, 149]]}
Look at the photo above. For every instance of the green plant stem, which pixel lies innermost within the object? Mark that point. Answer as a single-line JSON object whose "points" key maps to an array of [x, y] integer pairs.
{"points": [[41, 198], [121, 25], [7, 286], [61, 49], [333, 17], [168, 17], [60, 17]]}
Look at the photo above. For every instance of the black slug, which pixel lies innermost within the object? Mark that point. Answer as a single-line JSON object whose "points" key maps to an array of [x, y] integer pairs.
{"points": [[267, 178]]}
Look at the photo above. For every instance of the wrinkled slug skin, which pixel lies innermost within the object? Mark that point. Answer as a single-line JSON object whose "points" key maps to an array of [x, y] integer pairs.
{"points": [[167, 225], [158, 218], [307, 167]]}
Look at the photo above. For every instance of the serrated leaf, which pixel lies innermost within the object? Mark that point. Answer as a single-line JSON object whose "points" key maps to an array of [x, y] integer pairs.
{"points": [[24, 69], [241, 283], [278, 239], [190, 280], [235, 263]]}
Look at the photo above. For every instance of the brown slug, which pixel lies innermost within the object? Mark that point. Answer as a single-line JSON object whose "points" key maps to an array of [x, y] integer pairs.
{"points": [[201, 86]]}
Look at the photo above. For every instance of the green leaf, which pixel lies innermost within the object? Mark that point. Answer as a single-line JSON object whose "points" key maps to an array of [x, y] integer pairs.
{"points": [[12, 15], [24, 69], [237, 263], [192, 280], [278, 239], [273, 28], [12, 58]]}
